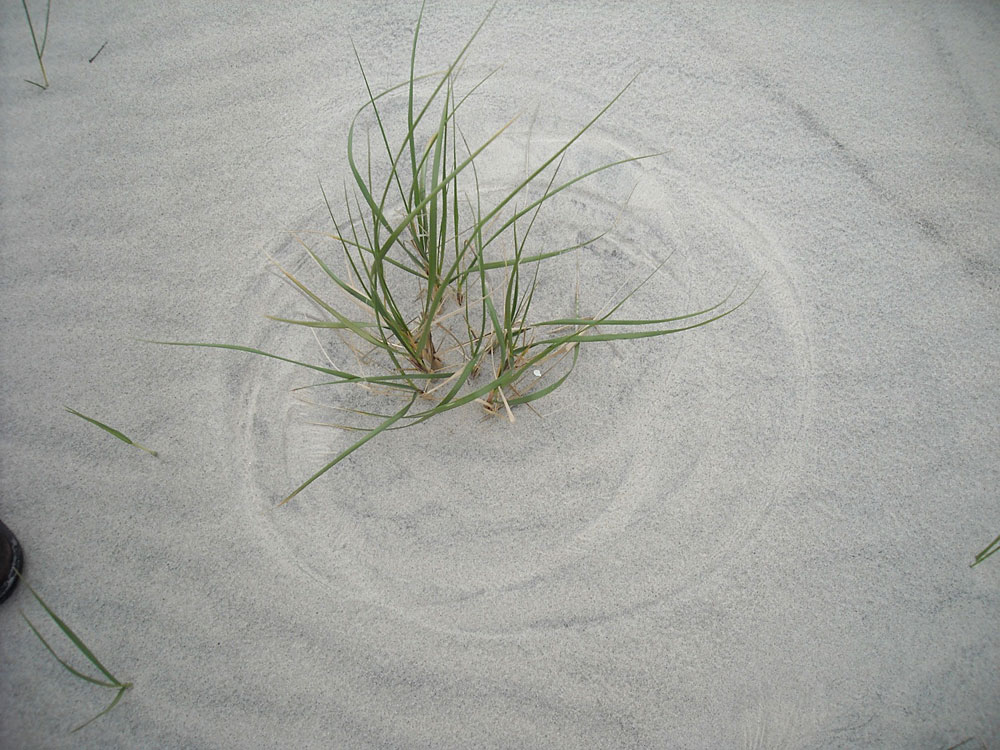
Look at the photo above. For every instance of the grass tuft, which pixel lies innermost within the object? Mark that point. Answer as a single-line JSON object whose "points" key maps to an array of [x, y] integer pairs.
{"points": [[435, 283]]}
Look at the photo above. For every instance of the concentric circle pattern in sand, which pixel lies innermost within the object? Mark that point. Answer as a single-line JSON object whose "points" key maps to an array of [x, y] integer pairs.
{"points": [[482, 525]]}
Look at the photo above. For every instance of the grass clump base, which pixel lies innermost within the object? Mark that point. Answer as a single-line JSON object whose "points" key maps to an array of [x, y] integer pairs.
{"points": [[437, 277]]}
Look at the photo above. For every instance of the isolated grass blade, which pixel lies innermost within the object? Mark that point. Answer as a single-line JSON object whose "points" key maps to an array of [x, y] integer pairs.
{"points": [[111, 430], [118, 697], [990, 549], [39, 49], [66, 665], [81, 647], [112, 682]]}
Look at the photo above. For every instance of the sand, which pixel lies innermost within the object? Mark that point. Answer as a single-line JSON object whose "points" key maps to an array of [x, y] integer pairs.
{"points": [[752, 535]]}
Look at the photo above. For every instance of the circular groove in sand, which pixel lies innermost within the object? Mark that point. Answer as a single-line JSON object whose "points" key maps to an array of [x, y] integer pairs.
{"points": [[658, 460]]}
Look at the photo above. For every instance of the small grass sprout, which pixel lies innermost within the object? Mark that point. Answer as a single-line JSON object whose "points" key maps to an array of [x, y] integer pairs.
{"points": [[437, 279], [989, 550], [112, 431], [39, 48], [107, 680]]}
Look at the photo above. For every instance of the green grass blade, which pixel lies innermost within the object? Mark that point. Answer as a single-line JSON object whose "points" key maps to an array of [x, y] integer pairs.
{"points": [[445, 181], [409, 99], [606, 321], [80, 645], [501, 381], [356, 327], [31, 28], [396, 320], [322, 323], [446, 403], [368, 277], [413, 122], [362, 249], [45, 33], [528, 180], [516, 307], [551, 193], [350, 449], [69, 668], [626, 335], [365, 186], [386, 323], [545, 391], [394, 176], [345, 377], [39, 49], [436, 227], [111, 431], [490, 265], [987, 552], [385, 306], [498, 329], [118, 697], [442, 405]]}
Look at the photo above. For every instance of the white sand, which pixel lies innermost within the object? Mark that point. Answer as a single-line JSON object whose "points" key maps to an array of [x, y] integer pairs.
{"points": [[753, 535]]}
